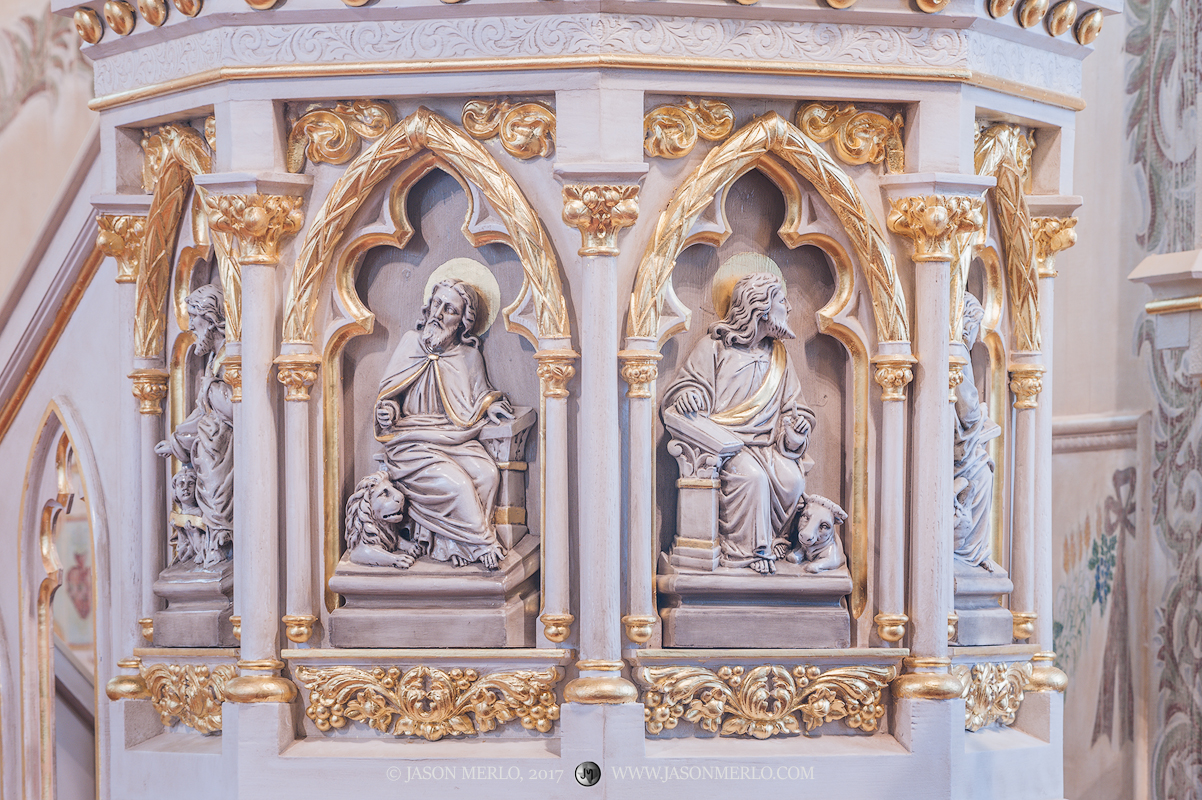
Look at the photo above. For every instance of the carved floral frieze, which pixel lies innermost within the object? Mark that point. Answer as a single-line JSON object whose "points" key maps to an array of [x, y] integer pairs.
{"points": [[190, 693], [526, 130], [992, 692]]}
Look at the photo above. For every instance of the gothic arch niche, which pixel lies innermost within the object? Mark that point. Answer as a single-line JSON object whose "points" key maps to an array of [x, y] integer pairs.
{"points": [[62, 516]]}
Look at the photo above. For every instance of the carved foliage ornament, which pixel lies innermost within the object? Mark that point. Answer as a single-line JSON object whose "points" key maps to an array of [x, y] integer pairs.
{"points": [[555, 369], [892, 373], [430, 703], [1050, 236], [671, 131], [420, 131], [334, 135], [932, 223], [259, 221], [639, 369], [172, 155], [1004, 152], [121, 237], [191, 693], [600, 212], [770, 133], [1026, 381], [860, 137], [992, 692], [297, 373], [763, 701], [526, 129]]}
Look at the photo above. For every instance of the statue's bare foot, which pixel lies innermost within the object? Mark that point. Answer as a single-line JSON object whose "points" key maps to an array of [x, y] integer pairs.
{"points": [[763, 566], [780, 549], [458, 561], [403, 561], [489, 560]]}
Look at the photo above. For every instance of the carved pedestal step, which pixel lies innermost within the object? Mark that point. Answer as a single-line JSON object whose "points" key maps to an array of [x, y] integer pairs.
{"points": [[432, 604], [981, 619], [740, 608], [198, 606]]}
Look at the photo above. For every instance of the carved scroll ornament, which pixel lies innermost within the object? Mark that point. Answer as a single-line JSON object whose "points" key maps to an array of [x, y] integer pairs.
{"points": [[430, 703], [334, 135], [425, 130], [992, 692], [770, 133], [526, 129], [860, 137], [190, 693], [671, 131], [763, 701]]}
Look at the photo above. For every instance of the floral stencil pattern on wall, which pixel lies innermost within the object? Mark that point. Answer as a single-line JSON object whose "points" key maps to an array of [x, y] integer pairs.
{"points": [[35, 54]]}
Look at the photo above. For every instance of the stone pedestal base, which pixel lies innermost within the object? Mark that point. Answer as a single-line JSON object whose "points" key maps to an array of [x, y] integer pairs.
{"points": [[979, 593], [433, 604], [741, 608], [199, 604]]}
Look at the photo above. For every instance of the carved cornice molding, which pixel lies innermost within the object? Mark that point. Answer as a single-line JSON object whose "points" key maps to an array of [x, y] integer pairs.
{"points": [[121, 236], [600, 212], [671, 131], [260, 222], [639, 369], [555, 369], [860, 137], [932, 223], [992, 692], [1051, 235], [526, 129], [335, 135], [430, 703], [725, 702], [190, 693]]}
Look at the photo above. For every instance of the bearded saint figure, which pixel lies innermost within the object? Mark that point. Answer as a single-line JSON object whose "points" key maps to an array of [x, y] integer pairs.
{"points": [[204, 442], [741, 378], [433, 402]]}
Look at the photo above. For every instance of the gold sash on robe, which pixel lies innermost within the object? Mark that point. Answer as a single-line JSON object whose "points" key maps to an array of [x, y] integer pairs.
{"points": [[432, 363], [750, 408]]}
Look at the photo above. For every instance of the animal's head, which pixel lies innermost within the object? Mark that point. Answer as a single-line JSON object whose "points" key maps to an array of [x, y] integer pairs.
{"points": [[818, 519], [375, 505]]}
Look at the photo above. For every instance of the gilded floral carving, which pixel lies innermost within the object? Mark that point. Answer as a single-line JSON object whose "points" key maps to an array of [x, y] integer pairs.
{"points": [[335, 135], [600, 212], [992, 692], [671, 131], [526, 129], [860, 137], [190, 693]]}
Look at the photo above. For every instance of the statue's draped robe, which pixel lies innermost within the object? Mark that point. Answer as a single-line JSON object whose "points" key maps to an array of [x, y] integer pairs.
{"points": [[753, 394], [205, 440], [431, 453], [973, 474]]}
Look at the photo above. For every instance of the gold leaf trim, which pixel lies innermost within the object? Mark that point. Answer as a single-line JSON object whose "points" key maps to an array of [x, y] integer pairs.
{"points": [[334, 135], [526, 129], [191, 693], [671, 131], [860, 137], [1004, 152], [430, 703], [763, 701], [773, 134], [425, 130], [992, 692]]}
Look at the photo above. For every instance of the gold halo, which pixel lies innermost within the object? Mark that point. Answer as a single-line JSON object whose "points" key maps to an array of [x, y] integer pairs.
{"points": [[480, 278], [732, 269]]}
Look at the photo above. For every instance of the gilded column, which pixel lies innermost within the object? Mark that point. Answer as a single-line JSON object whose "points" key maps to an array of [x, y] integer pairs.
{"points": [[258, 223], [298, 372], [931, 222], [600, 211]]}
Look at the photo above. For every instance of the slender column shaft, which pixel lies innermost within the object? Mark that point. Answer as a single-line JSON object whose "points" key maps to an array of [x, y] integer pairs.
{"points": [[298, 519], [1043, 475], [642, 508], [128, 578], [1025, 383], [150, 374], [556, 561]]}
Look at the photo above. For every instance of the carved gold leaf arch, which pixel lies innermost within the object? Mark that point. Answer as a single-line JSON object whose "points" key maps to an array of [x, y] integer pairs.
{"points": [[174, 154], [770, 134], [426, 130]]}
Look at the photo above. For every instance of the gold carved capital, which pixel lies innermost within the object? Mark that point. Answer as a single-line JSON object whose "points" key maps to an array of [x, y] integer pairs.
{"points": [[932, 223], [526, 129], [191, 693], [639, 369], [639, 627], [121, 237], [146, 626], [258, 221], [1026, 381], [892, 373], [860, 137], [557, 627], [555, 369], [430, 703], [334, 135], [727, 701], [891, 627], [1050, 236], [992, 692], [150, 387], [1045, 676], [299, 627], [232, 374], [671, 131], [1024, 621], [600, 212], [297, 373]]}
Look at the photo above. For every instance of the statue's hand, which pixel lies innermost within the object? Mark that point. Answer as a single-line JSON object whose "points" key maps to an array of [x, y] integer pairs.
{"points": [[387, 413], [780, 549], [802, 427], [690, 401], [499, 412], [163, 448]]}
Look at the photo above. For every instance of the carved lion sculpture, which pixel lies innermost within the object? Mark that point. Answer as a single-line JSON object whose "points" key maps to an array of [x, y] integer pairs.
{"points": [[819, 547], [373, 531]]}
